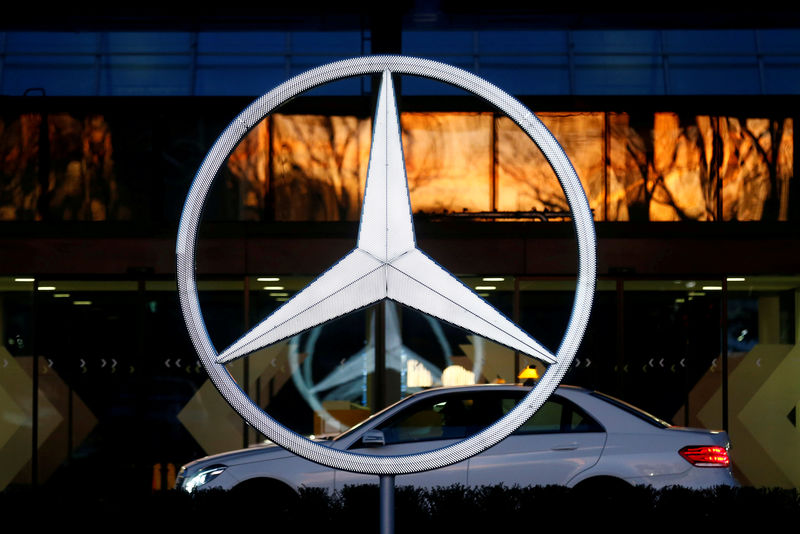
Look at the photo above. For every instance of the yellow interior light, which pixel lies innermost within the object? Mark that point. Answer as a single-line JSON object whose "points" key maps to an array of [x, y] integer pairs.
{"points": [[529, 372]]}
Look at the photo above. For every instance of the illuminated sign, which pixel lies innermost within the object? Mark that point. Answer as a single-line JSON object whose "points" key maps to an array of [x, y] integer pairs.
{"points": [[385, 264]]}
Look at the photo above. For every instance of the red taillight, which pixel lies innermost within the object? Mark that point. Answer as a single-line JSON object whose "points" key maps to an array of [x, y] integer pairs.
{"points": [[706, 456]]}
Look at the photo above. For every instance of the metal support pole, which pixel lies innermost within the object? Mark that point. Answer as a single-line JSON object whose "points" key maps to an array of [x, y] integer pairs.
{"points": [[620, 338], [387, 504], [246, 362], [379, 384], [35, 390], [723, 312], [516, 321]]}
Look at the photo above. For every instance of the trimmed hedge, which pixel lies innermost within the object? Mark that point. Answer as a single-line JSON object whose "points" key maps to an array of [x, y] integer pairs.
{"points": [[442, 510]]}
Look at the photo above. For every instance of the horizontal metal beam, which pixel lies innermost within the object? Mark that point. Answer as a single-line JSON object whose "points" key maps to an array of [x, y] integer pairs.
{"points": [[462, 254]]}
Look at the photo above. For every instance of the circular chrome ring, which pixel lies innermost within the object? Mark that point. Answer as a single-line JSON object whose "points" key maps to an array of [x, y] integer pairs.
{"points": [[374, 464]]}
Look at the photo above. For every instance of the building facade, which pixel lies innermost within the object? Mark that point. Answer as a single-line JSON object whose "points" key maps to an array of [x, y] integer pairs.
{"points": [[682, 134]]}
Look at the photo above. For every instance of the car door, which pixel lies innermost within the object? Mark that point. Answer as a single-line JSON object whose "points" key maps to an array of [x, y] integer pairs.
{"points": [[430, 423], [553, 446]]}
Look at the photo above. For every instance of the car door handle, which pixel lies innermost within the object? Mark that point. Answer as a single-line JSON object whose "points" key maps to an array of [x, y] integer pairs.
{"points": [[571, 446]]}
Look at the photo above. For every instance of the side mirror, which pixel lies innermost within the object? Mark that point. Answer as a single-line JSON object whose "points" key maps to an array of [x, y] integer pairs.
{"points": [[373, 438]]}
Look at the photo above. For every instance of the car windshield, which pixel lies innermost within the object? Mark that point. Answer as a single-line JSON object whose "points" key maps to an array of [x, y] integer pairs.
{"points": [[633, 410], [355, 427]]}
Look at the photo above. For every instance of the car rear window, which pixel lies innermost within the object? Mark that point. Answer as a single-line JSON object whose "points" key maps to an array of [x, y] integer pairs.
{"points": [[633, 410]]}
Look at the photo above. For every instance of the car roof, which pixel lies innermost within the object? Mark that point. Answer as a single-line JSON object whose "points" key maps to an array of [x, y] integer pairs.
{"points": [[478, 387]]}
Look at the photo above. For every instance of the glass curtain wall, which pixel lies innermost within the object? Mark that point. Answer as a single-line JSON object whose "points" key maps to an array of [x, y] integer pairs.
{"points": [[201, 421], [763, 378], [544, 307], [120, 389], [638, 165], [324, 381], [17, 407], [317, 382], [671, 339]]}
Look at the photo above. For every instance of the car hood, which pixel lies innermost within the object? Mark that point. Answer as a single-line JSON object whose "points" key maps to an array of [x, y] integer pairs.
{"points": [[255, 453]]}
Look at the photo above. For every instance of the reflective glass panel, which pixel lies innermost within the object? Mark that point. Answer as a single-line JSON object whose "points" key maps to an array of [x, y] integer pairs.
{"points": [[763, 378], [16, 381], [671, 365]]}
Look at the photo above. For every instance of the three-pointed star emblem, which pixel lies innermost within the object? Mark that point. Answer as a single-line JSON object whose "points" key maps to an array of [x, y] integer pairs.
{"points": [[386, 263]]}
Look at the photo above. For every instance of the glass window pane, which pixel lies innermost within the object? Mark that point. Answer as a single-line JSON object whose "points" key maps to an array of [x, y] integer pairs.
{"points": [[603, 42], [619, 74], [671, 360], [525, 179], [671, 167], [714, 75], [522, 43], [16, 381], [763, 378], [546, 420], [757, 167], [448, 161], [452, 416], [244, 44], [77, 43], [147, 42], [544, 311], [722, 42], [99, 372], [426, 421], [441, 43], [319, 166]]}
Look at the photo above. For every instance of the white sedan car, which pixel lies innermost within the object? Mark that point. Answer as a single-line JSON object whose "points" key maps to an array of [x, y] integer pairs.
{"points": [[577, 437]]}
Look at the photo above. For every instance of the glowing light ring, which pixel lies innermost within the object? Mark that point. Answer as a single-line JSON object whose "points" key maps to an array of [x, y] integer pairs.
{"points": [[349, 461]]}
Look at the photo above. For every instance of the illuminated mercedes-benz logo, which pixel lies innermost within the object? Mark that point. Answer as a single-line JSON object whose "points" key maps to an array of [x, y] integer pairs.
{"points": [[385, 264]]}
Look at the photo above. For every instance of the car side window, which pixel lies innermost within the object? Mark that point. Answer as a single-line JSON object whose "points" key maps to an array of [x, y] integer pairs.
{"points": [[580, 421], [421, 424], [457, 416], [449, 416], [546, 420], [556, 415]]}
